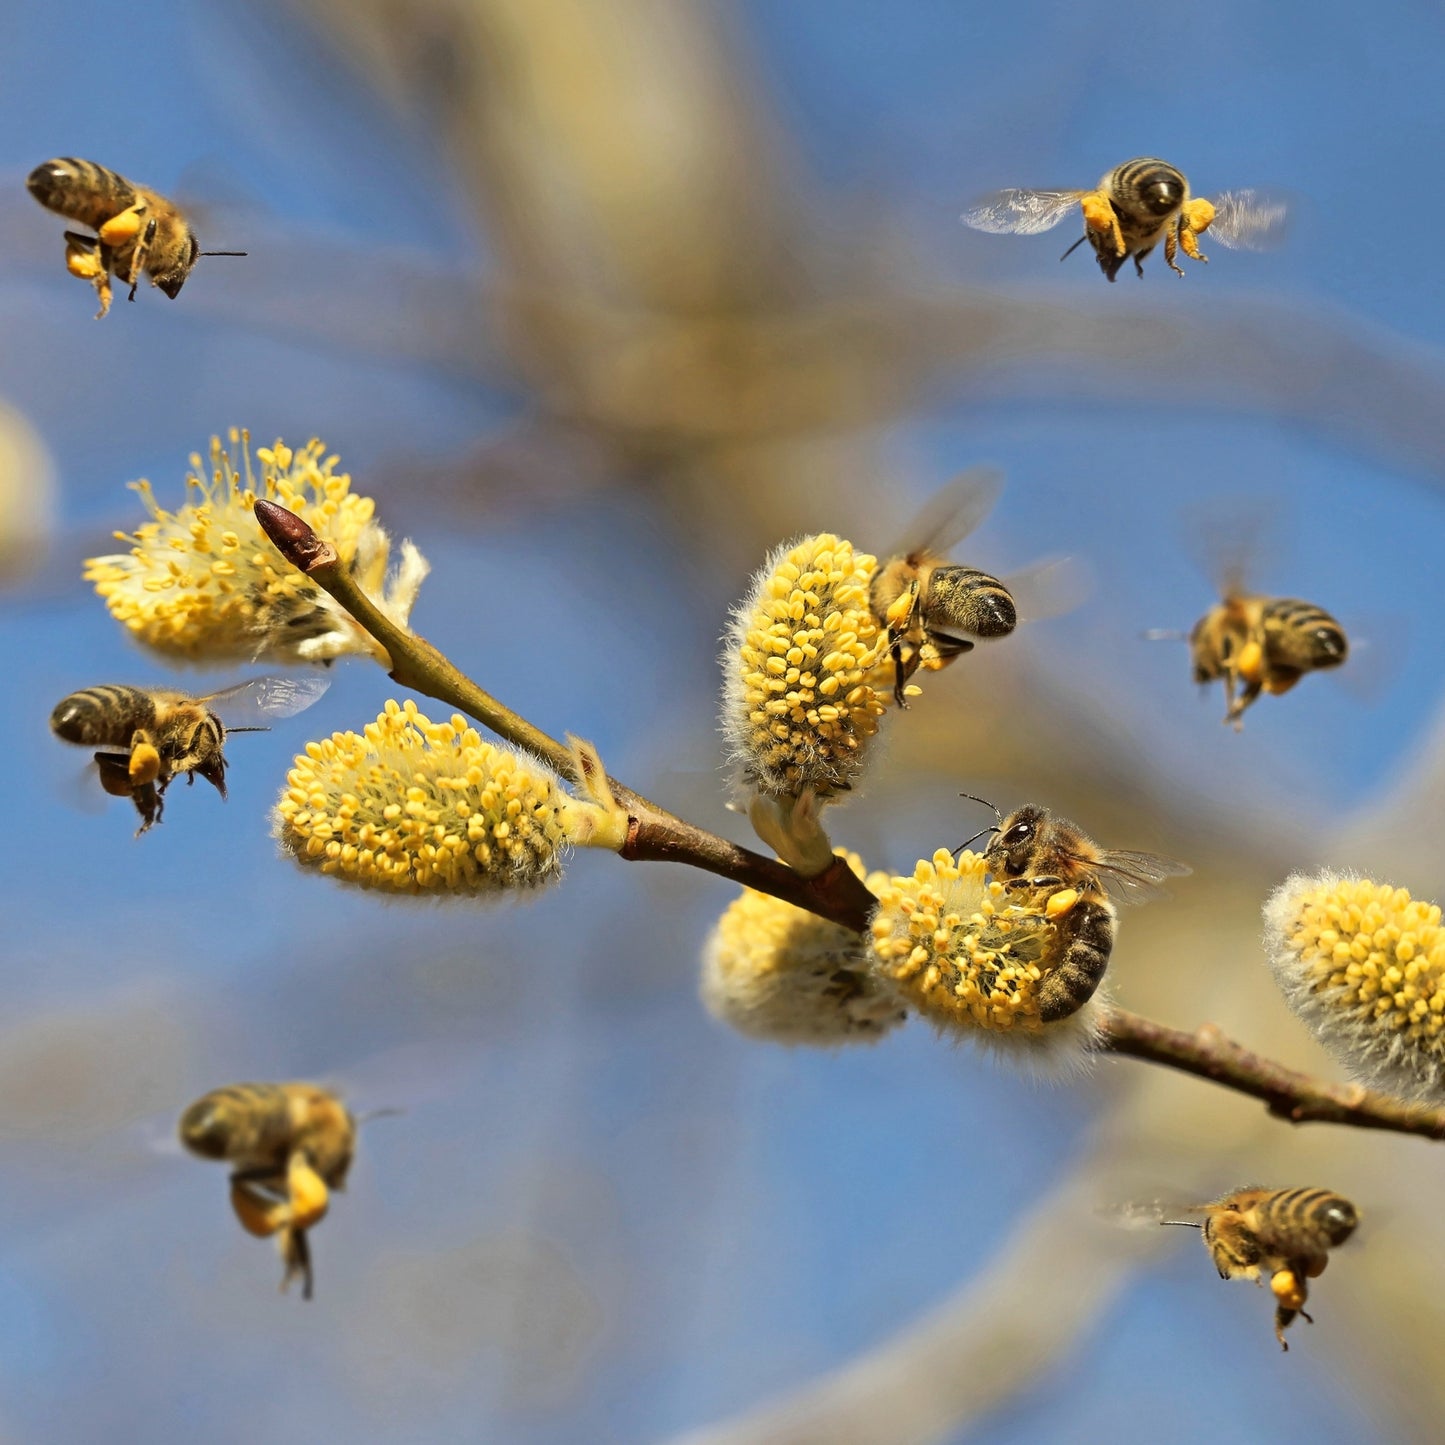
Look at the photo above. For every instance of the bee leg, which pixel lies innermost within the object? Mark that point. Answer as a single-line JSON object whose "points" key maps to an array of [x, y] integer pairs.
{"points": [[138, 256], [1041, 880], [942, 649], [145, 760], [1103, 220], [296, 1259], [149, 804], [1171, 250], [88, 259], [1194, 220], [124, 225], [259, 1213], [1190, 242], [306, 1191], [1066, 988]]}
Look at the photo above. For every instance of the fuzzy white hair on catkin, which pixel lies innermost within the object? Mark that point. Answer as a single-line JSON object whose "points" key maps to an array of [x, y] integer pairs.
{"points": [[794, 1005], [734, 724], [1062, 1052], [1365, 1048]]}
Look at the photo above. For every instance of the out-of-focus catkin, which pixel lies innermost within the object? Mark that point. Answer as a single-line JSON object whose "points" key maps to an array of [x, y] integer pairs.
{"points": [[412, 806], [1363, 965], [971, 962], [202, 584], [773, 971]]}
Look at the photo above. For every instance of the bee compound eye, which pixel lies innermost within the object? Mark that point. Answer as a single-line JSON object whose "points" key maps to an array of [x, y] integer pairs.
{"points": [[204, 1131]]}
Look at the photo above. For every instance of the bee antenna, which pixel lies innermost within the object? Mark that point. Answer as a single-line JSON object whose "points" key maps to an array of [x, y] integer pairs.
{"points": [[1184, 1223], [229, 731], [1074, 247], [223, 253], [982, 832], [974, 798], [371, 1114], [1164, 634]]}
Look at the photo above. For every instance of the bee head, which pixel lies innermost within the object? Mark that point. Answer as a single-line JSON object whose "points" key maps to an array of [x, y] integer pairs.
{"points": [[1012, 851], [206, 1128], [1339, 1219], [171, 281]]}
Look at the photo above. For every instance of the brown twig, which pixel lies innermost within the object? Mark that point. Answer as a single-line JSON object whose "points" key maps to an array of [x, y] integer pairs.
{"points": [[837, 894], [1286, 1093]]}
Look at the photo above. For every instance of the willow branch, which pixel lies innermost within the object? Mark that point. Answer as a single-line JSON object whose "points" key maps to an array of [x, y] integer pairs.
{"points": [[1286, 1093], [653, 834], [837, 894]]}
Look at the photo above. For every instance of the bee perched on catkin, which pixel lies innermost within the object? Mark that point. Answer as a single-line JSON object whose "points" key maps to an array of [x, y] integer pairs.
{"points": [[774, 971], [412, 806], [965, 956], [202, 584], [799, 702], [1363, 965]]}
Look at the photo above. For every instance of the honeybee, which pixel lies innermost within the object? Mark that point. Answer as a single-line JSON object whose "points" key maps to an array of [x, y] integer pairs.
{"points": [[1065, 875], [1262, 644], [917, 592], [289, 1146], [1133, 208], [137, 229], [148, 736], [1287, 1232]]}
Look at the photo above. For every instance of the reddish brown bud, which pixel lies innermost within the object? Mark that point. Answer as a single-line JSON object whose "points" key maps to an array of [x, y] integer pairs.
{"points": [[295, 538]]}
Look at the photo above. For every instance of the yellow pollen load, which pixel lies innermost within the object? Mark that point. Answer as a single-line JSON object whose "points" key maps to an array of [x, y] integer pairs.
{"points": [[203, 583], [773, 971], [412, 806], [957, 951], [798, 707], [1363, 964]]}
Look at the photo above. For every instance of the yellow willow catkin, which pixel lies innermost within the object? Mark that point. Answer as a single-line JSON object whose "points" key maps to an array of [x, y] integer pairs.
{"points": [[1363, 965], [412, 806], [203, 584], [965, 958], [773, 971], [798, 709]]}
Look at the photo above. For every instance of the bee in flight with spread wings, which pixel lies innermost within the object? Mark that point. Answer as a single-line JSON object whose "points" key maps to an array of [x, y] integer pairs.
{"points": [[1133, 208], [148, 736]]}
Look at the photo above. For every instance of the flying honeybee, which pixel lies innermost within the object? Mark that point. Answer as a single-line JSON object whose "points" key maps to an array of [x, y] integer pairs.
{"points": [[1262, 644], [924, 600], [1132, 209], [1066, 875], [148, 736], [289, 1146], [137, 229], [1287, 1233]]}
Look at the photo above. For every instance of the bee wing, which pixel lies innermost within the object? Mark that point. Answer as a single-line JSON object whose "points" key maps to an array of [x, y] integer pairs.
{"points": [[1050, 587], [1020, 212], [1151, 1213], [81, 790], [267, 697], [1249, 220], [1230, 537], [951, 513], [1135, 877]]}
